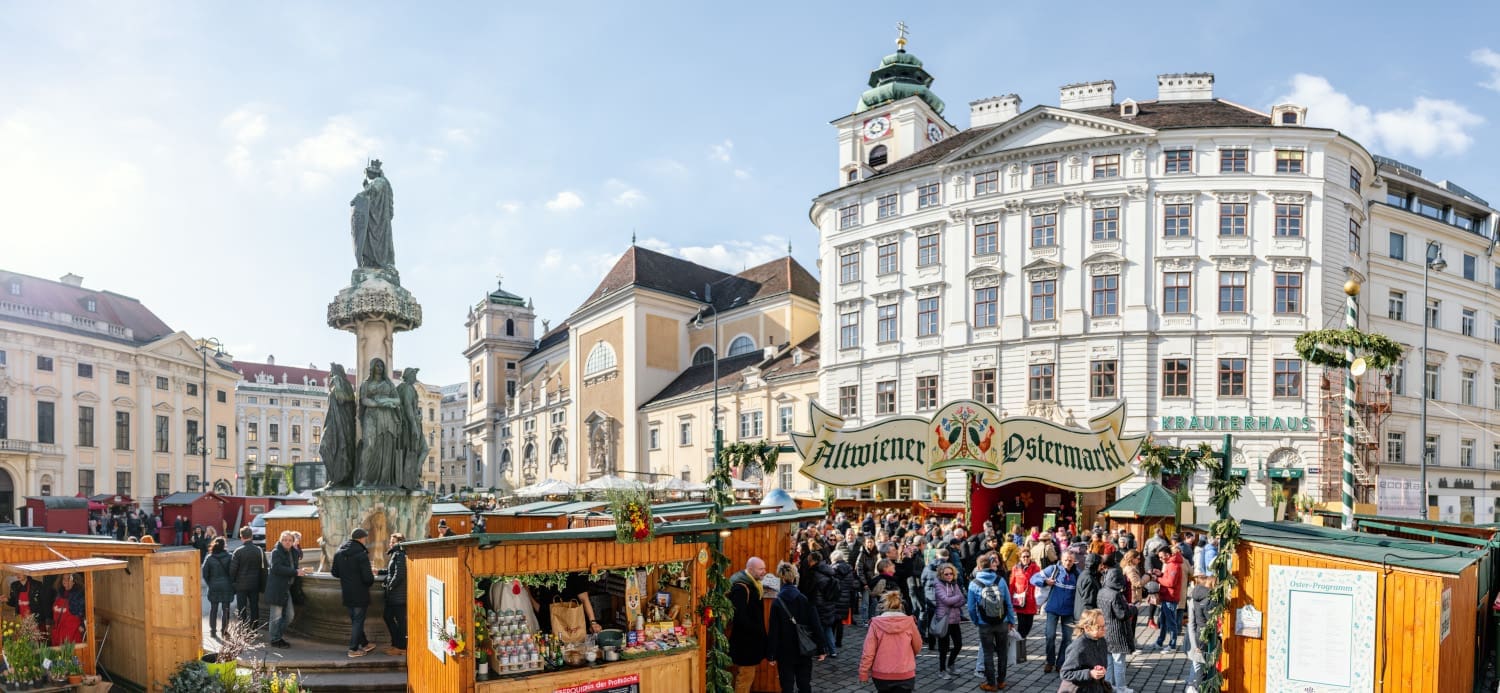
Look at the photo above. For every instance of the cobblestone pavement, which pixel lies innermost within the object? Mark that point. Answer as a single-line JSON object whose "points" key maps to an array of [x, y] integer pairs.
{"points": [[1149, 672]]}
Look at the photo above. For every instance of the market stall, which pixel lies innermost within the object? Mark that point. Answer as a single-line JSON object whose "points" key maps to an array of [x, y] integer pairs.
{"points": [[200, 510], [529, 517], [61, 514], [1143, 511], [1372, 612], [457, 517], [296, 518]]}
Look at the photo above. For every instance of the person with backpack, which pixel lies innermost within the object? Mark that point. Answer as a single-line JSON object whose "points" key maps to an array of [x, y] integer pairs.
{"points": [[793, 620], [1060, 582], [1087, 595], [891, 645], [990, 609]]}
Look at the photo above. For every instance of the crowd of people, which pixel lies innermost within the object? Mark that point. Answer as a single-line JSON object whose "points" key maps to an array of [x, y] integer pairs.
{"points": [[911, 582]]}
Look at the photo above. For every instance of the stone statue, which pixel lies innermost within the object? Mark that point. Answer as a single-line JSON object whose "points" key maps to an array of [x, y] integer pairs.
{"points": [[338, 448], [599, 447], [370, 221], [380, 430], [413, 443]]}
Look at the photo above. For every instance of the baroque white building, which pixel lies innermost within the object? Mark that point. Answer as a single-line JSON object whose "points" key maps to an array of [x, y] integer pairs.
{"points": [[1164, 250]]}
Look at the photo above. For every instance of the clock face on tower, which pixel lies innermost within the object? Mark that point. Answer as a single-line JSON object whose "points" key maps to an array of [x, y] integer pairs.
{"points": [[877, 127], [934, 133]]}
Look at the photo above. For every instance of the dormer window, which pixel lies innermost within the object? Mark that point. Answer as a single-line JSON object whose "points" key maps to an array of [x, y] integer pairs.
{"points": [[1129, 109], [878, 156], [853, 175], [90, 305], [1288, 114], [15, 287]]}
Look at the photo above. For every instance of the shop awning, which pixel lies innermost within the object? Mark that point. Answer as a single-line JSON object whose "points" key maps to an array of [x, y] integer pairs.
{"points": [[1284, 473], [1151, 500], [1239, 472], [75, 565]]}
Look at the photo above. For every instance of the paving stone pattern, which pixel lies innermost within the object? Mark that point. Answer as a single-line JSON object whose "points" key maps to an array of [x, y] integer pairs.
{"points": [[1149, 671]]}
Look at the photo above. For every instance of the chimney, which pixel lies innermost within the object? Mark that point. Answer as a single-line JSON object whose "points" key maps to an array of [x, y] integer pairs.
{"points": [[271, 360], [995, 109], [72, 279], [1077, 97], [768, 353], [1187, 86]]}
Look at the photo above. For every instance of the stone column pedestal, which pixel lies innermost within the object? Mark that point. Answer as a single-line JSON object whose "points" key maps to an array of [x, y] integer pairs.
{"points": [[379, 511], [374, 307]]}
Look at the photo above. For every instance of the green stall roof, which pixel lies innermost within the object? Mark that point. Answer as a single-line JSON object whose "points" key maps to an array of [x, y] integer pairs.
{"points": [[1151, 500], [1358, 546], [286, 511], [523, 508], [451, 509]]}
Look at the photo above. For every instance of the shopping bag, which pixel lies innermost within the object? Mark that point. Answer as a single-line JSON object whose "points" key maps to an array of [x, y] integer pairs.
{"points": [[1020, 644], [569, 623], [1010, 652]]}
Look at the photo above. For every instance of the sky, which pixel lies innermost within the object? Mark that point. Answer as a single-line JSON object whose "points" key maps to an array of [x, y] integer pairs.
{"points": [[201, 156]]}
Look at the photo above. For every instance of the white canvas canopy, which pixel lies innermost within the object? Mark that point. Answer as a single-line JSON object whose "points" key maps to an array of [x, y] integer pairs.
{"points": [[549, 487], [611, 483], [677, 484]]}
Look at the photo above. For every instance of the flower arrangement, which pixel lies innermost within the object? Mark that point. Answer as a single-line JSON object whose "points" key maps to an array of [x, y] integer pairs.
{"points": [[632, 513], [23, 644], [455, 647], [276, 683]]}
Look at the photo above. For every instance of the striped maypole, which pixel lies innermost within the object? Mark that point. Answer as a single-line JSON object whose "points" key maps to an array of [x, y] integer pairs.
{"points": [[1351, 321]]}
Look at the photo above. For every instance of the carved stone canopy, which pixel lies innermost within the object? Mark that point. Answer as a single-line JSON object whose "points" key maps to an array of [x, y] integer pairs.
{"points": [[1233, 263], [985, 278], [1289, 197], [1177, 264], [1041, 269], [1240, 196], [1177, 198]]}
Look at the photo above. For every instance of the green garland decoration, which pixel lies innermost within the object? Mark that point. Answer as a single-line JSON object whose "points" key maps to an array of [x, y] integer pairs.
{"points": [[716, 611], [762, 454], [1379, 351]]}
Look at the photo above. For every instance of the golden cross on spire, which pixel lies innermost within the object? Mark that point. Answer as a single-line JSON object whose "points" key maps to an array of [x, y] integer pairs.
{"points": [[901, 32], [499, 279]]}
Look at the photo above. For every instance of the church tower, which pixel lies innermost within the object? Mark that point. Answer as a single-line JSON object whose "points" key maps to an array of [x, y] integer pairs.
{"points": [[897, 116], [501, 331]]}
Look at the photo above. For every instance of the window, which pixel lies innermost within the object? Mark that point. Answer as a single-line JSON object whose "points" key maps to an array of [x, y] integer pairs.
{"points": [[1288, 220], [1176, 378], [1496, 336], [1470, 263], [1234, 160], [193, 442], [1177, 293], [86, 370], [1106, 223], [1289, 160], [927, 316], [1106, 165], [86, 482], [252, 432], [1232, 377], [849, 330], [164, 433], [1466, 322], [1043, 230], [1355, 245], [1398, 377], [1434, 311], [1104, 379], [46, 423], [44, 363], [653, 438], [601, 358], [849, 216], [163, 484], [684, 433], [86, 427], [885, 258], [1040, 382], [1044, 173], [1434, 446], [849, 267], [1232, 218], [927, 250], [122, 430], [849, 400], [784, 476], [1354, 179], [885, 206], [1466, 387], [1232, 291], [927, 392], [1466, 452], [887, 327], [704, 354], [1044, 299], [986, 306], [275, 432], [1433, 381], [192, 482], [192, 391], [15, 287], [4, 418], [1428, 209], [1397, 199], [1289, 292], [122, 483], [879, 155], [255, 400], [1395, 447], [1177, 161], [1397, 249], [1177, 221], [1287, 378], [1496, 283], [927, 195], [983, 381], [162, 383], [885, 397], [987, 238], [784, 419], [987, 182], [222, 441], [1106, 295]]}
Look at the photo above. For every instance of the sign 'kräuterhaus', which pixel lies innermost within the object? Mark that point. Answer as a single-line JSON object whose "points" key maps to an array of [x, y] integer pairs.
{"points": [[968, 435]]}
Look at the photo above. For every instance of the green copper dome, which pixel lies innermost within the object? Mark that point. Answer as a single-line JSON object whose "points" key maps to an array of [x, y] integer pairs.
{"points": [[900, 75]]}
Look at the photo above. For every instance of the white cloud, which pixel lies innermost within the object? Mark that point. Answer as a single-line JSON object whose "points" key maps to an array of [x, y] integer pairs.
{"points": [[1489, 59], [722, 152], [741, 174], [245, 125], [341, 146], [1428, 127], [630, 198], [552, 259], [509, 206], [666, 167], [565, 201], [460, 136]]}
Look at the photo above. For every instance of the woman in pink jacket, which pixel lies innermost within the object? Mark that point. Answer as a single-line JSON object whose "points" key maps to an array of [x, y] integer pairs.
{"points": [[891, 646]]}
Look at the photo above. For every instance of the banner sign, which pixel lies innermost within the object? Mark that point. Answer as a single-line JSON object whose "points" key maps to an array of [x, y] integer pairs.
{"points": [[629, 683], [967, 435]]}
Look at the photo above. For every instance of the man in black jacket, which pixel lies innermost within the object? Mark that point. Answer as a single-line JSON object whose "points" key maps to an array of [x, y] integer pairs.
{"points": [[279, 587], [248, 570], [747, 631], [351, 565], [395, 595]]}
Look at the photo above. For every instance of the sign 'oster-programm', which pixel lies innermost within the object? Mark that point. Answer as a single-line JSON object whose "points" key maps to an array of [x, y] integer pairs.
{"points": [[967, 435]]}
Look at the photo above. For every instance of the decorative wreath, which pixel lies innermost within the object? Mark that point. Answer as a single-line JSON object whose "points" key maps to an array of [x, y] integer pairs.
{"points": [[1326, 348]]}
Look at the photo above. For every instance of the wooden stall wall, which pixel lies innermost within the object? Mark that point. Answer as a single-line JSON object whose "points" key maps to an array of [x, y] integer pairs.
{"points": [[772, 542], [424, 672], [458, 523], [310, 527], [120, 620], [516, 524], [174, 622], [1407, 645]]}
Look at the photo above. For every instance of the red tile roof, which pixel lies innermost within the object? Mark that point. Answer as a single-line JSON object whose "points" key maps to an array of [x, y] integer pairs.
{"points": [[56, 297], [291, 375], [659, 271], [699, 378]]}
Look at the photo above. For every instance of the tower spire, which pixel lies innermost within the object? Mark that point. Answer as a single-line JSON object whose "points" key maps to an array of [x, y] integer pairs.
{"points": [[901, 32]]}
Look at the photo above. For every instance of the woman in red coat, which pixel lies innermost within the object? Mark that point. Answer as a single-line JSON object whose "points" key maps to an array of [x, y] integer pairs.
{"points": [[1023, 595], [67, 612]]}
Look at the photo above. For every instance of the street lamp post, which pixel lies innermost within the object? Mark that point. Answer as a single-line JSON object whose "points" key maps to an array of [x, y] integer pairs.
{"points": [[1432, 261], [718, 506], [203, 345]]}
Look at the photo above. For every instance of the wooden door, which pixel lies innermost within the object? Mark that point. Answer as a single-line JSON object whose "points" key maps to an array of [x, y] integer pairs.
{"points": [[174, 622]]}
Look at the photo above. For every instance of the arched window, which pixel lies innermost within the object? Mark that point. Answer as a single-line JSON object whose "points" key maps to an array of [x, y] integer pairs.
{"points": [[510, 327], [601, 359], [504, 461], [529, 454], [877, 155], [741, 345], [703, 355], [853, 175], [557, 447]]}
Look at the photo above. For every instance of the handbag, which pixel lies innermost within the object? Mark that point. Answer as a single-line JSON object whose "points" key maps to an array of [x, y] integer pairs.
{"points": [[806, 645], [1043, 591], [568, 621]]}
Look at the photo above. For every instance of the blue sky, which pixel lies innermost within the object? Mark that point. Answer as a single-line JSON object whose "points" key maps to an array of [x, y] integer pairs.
{"points": [[201, 156]]}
